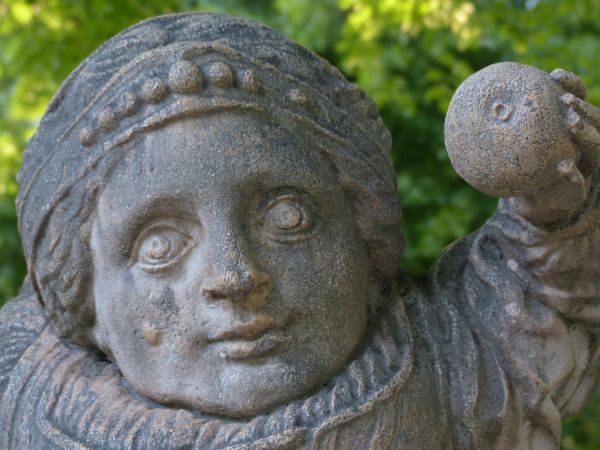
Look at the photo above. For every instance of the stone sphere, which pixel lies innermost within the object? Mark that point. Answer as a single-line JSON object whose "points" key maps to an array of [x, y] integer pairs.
{"points": [[505, 132]]}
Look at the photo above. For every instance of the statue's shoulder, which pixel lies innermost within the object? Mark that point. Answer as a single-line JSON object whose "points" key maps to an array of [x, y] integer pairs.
{"points": [[21, 321]]}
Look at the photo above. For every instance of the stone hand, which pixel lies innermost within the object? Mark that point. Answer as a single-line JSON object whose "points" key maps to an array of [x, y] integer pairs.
{"points": [[516, 131], [583, 121]]}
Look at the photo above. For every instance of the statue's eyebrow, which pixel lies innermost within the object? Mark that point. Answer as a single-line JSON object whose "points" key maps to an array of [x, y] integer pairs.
{"points": [[136, 218]]}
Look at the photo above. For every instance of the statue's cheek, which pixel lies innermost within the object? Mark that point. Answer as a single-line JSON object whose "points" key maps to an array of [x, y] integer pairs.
{"points": [[159, 315]]}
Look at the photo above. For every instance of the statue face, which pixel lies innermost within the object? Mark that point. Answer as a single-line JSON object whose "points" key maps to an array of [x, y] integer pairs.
{"points": [[229, 274]]}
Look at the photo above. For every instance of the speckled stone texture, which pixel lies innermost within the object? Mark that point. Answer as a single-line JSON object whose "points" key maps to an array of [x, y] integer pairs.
{"points": [[212, 232]]}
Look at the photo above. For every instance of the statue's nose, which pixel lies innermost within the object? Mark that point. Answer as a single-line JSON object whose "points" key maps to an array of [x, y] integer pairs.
{"points": [[237, 280]]}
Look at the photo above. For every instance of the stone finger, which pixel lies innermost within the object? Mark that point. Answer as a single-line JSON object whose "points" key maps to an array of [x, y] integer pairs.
{"points": [[574, 121], [570, 82], [568, 169], [587, 139], [583, 108]]}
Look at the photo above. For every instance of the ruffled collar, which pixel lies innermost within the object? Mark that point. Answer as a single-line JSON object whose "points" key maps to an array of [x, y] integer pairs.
{"points": [[381, 368], [87, 403]]}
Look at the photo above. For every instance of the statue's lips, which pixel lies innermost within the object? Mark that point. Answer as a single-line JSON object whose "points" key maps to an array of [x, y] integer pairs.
{"points": [[266, 345], [259, 337]]}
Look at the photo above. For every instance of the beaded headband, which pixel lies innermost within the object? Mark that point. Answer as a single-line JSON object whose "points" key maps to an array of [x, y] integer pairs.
{"points": [[187, 79], [174, 67]]}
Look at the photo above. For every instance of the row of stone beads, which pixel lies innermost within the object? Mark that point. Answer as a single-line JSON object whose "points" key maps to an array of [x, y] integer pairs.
{"points": [[184, 77]]}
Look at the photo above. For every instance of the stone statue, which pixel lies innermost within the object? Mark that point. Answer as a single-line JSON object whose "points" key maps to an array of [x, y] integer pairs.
{"points": [[211, 226]]}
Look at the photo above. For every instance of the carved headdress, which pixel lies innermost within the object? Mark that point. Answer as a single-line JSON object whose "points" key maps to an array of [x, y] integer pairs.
{"points": [[178, 66]]}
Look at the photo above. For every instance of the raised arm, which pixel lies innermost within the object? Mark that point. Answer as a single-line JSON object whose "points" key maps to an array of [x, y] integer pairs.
{"points": [[530, 288]]}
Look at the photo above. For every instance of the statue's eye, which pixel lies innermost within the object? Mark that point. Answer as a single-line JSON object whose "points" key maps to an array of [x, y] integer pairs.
{"points": [[160, 248], [287, 218]]}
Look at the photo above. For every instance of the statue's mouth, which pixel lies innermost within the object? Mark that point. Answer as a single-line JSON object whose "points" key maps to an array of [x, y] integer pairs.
{"points": [[266, 345], [259, 337]]}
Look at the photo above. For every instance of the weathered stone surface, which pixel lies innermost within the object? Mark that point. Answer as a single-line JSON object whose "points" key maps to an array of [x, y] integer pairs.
{"points": [[212, 232]]}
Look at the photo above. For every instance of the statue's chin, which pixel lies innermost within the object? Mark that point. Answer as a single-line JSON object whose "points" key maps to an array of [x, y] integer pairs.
{"points": [[236, 395], [243, 407]]}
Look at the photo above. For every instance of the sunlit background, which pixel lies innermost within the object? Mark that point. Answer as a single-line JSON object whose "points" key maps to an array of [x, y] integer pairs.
{"points": [[409, 55]]}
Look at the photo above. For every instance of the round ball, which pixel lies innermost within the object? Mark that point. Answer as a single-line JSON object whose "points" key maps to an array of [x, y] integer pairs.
{"points": [[185, 77], [221, 75], [504, 130], [154, 90], [107, 120]]}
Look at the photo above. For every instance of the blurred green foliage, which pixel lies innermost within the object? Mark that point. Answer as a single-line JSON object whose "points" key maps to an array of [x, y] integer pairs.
{"points": [[409, 55]]}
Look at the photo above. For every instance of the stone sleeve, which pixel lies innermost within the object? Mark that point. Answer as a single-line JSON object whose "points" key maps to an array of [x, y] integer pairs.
{"points": [[559, 269], [531, 300]]}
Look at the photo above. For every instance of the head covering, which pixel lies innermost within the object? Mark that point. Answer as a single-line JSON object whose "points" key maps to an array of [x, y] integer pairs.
{"points": [[177, 66]]}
